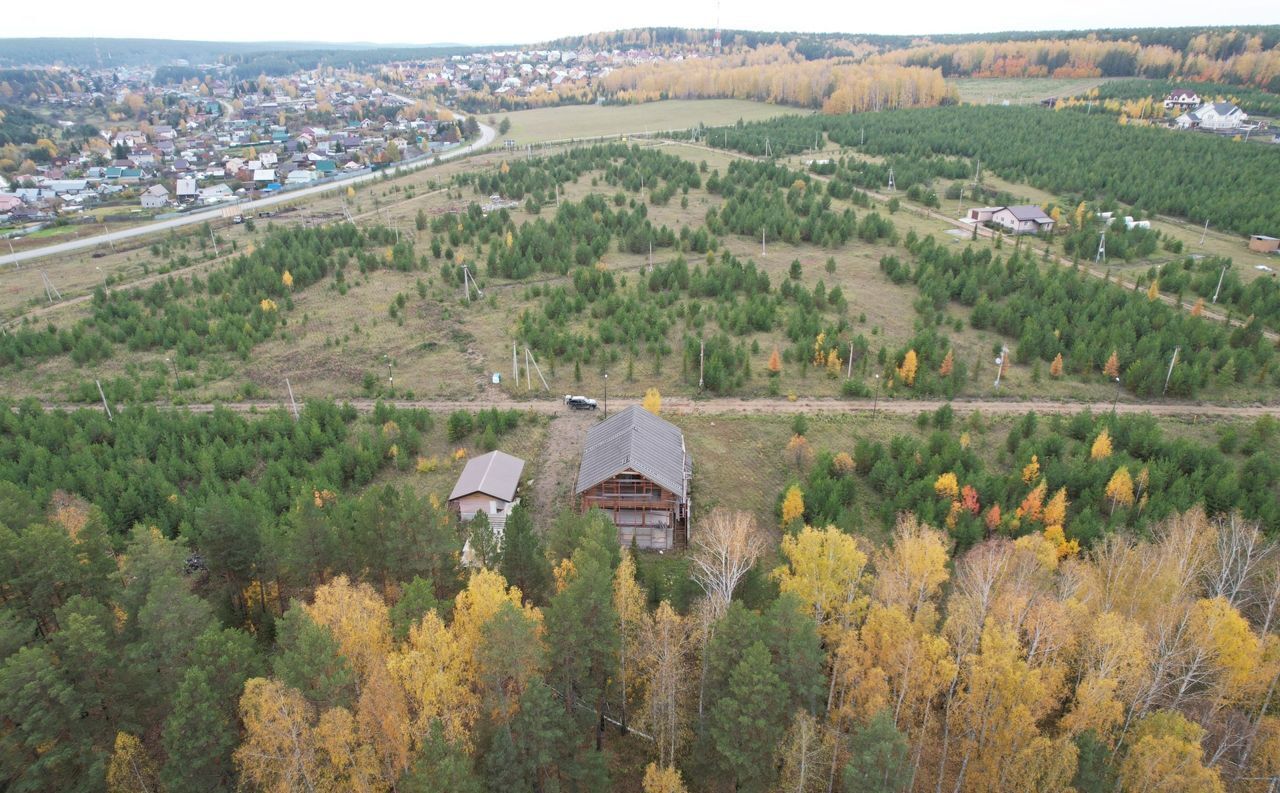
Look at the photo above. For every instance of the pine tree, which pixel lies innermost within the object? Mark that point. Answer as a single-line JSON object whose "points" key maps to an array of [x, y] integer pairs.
{"points": [[878, 761], [308, 661], [582, 629], [744, 725], [523, 559], [441, 767]]}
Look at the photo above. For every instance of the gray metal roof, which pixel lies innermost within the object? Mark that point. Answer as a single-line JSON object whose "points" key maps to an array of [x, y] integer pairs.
{"points": [[634, 439], [1028, 212], [495, 474]]}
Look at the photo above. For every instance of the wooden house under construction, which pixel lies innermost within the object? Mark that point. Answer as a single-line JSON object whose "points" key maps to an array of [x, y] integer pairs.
{"points": [[635, 467]]}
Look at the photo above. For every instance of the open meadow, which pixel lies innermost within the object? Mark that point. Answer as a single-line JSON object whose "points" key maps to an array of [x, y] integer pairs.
{"points": [[588, 121]]}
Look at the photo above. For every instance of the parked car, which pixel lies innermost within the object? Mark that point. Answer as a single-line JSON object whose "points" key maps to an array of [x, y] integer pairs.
{"points": [[579, 402]]}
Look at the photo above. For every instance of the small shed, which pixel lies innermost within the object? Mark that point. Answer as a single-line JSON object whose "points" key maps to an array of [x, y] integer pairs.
{"points": [[488, 484], [1263, 244], [636, 468]]}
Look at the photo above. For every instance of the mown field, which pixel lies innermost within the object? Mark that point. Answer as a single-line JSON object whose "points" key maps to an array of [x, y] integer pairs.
{"points": [[1021, 90], [585, 121]]}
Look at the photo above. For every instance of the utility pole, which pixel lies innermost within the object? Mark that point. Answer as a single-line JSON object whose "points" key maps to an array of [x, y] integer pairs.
{"points": [[515, 366], [606, 395], [1000, 362], [702, 355], [762, 251], [891, 187], [49, 289], [1204, 233], [850, 372], [105, 406], [875, 406], [1101, 256], [1172, 361], [292, 401], [1115, 401], [1221, 275], [531, 360]]}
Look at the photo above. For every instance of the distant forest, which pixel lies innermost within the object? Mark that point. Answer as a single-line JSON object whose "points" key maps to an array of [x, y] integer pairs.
{"points": [[274, 57], [825, 45]]}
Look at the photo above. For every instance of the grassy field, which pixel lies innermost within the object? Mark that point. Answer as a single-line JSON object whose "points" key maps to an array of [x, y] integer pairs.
{"points": [[584, 121], [1021, 90]]}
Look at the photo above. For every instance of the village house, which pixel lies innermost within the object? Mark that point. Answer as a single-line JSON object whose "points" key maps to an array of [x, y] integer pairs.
{"points": [[1217, 117], [488, 485], [1181, 99], [1022, 219], [636, 468], [155, 197]]}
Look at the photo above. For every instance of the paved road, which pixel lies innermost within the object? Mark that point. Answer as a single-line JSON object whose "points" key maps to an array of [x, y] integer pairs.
{"points": [[684, 406], [487, 135]]}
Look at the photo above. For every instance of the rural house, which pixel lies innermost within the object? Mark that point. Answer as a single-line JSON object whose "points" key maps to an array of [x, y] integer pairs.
{"points": [[1022, 219], [1217, 117], [636, 468], [155, 197], [1181, 99], [488, 484]]}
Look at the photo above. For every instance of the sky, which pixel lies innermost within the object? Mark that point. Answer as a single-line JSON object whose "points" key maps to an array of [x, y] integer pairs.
{"points": [[507, 21]]}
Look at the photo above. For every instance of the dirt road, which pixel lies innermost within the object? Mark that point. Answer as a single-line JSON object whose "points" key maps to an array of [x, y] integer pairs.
{"points": [[684, 406]]}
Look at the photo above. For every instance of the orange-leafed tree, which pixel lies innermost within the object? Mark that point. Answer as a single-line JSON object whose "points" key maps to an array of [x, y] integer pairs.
{"points": [[948, 364], [1055, 368], [1112, 367], [775, 363], [992, 518]]}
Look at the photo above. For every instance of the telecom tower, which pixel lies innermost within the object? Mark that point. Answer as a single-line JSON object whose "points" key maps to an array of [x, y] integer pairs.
{"points": [[715, 44]]}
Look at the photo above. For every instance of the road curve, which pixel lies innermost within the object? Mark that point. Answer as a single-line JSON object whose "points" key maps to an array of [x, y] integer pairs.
{"points": [[727, 406], [487, 136]]}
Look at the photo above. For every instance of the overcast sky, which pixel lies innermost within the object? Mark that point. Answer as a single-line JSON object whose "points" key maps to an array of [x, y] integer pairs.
{"points": [[507, 21]]}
